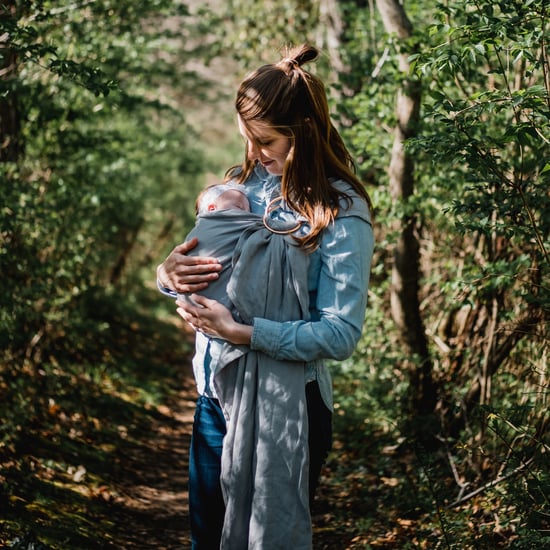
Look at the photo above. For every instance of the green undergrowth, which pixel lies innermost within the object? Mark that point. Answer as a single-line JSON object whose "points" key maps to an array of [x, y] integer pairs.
{"points": [[386, 487]]}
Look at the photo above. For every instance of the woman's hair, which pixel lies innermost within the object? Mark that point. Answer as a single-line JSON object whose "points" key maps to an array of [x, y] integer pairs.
{"points": [[294, 102]]}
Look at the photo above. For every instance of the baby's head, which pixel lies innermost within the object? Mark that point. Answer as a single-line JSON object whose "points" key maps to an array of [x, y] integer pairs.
{"points": [[221, 196]]}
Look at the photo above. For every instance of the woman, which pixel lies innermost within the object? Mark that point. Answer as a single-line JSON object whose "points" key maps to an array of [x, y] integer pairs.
{"points": [[296, 159]]}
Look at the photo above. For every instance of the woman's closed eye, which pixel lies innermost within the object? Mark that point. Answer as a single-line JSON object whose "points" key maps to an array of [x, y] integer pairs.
{"points": [[264, 142]]}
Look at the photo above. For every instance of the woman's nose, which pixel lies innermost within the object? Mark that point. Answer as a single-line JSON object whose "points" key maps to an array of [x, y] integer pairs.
{"points": [[253, 151]]}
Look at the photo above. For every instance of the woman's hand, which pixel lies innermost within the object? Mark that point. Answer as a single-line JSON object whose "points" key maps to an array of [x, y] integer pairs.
{"points": [[186, 274], [213, 319]]}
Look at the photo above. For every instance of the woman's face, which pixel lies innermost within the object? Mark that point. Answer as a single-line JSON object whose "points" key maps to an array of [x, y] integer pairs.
{"points": [[266, 145]]}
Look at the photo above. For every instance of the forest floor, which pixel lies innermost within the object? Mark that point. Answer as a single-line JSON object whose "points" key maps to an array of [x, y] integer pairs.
{"points": [[94, 445], [99, 456]]}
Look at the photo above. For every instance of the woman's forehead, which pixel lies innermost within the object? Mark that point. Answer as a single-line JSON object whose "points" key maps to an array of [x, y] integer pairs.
{"points": [[257, 129]]}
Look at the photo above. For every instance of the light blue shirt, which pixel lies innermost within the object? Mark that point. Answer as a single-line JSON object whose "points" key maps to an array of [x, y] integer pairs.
{"points": [[338, 278]]}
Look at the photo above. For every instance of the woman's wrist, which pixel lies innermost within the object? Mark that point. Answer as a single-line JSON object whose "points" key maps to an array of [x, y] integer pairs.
{"points": [[240, 334]]}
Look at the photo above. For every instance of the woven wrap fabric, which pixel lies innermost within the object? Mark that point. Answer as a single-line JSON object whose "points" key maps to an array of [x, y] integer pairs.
{"points": [[265, 460]]}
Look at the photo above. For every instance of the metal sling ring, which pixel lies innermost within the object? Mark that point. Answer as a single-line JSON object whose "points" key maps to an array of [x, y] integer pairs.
{"points": [[272, 205]]}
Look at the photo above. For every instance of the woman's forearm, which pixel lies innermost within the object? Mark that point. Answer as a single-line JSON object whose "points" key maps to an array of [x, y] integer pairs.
{"points": [[341, 300]]}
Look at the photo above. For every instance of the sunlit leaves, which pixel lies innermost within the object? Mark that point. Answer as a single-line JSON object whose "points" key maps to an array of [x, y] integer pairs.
{"points": [[92, 92]]}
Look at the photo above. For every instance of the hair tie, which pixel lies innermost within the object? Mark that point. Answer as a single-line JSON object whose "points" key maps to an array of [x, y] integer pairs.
{"points": [[292, 63]]}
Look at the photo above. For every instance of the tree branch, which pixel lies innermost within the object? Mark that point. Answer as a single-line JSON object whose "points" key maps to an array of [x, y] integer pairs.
{"points": [[493, 483]]}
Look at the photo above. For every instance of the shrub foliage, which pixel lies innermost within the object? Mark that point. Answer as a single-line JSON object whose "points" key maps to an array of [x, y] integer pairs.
{"points": [[99, 166]]}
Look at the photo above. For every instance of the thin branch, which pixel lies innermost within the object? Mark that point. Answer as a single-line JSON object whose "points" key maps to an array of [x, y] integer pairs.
{"points": [[71, 7], [462, 484], [493, 483], [381, 62]]}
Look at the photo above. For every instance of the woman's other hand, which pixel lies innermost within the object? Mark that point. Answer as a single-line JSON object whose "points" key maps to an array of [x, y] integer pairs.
{"points": [[186, 274], [213, 319]]}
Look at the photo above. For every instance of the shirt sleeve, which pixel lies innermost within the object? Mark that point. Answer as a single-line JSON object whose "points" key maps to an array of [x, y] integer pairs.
{"points": [[167, 291], [346, 250]]}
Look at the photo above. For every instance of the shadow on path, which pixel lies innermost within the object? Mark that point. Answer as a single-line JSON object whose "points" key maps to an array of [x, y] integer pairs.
{"points": [[151, 503]]}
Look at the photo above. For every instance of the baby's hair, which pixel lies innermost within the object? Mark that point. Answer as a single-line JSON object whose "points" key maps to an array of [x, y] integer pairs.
{"points": [[209, 195]]}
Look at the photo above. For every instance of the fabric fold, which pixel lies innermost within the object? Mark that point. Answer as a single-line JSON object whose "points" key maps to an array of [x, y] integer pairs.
{"points": [[265, 460]]}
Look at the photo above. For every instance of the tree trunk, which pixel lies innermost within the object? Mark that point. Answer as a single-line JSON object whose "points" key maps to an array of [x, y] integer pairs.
{"points": [[405, 303], [329, 30], [10, 137]]}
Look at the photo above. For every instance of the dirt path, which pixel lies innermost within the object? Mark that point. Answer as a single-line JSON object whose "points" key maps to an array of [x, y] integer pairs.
{"points": [[150, 507], [150, 503]]}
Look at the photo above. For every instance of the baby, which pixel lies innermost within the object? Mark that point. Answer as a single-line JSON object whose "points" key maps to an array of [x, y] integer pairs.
{"points": [[221, 196], [223, 211]]}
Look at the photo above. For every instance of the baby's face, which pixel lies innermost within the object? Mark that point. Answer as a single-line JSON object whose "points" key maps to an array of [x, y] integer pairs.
{"points": [[232, 199]]}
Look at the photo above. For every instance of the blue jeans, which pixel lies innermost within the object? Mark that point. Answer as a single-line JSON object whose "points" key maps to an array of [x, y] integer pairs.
{"points": [[206, 506]]}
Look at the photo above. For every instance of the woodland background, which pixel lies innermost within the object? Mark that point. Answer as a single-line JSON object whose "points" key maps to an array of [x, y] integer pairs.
{"points": [[113, 114]]}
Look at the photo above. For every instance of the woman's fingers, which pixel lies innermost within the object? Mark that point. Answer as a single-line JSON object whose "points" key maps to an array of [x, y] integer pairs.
{"points": [[207, 316], [184, 273], [201, 267], [185, 247], [195, 278], [203, 302]]}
